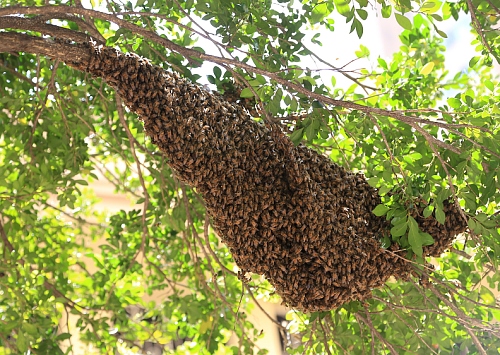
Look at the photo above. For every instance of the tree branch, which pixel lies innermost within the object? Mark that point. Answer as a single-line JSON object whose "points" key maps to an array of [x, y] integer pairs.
{"points": [[477, 27], [375, 332], [18, 42], [38, 25], [3, 235]]}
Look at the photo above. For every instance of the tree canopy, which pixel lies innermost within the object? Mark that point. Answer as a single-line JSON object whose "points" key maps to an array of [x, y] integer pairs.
{"points": [[121, 90]]}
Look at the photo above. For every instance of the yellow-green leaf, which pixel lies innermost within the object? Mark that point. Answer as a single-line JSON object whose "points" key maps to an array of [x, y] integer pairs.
{"points": [[487, 296], [454, 102], [403, 21], [426, 69]]}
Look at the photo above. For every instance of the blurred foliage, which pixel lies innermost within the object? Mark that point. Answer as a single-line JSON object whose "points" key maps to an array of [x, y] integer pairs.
{"points": [[422, 136]]}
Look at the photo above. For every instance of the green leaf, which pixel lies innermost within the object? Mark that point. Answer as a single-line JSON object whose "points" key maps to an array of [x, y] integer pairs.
{"points": [[246, 93], [428, 5], [473, 61], [454, 102], [342, 6], [399, 229], [382, 63], [311, 132], [63, 336], [451, 274], [333, 81], [487, 296], [441, 33], [296, 136], [319, 12], [358, 26], [489, 85], [471, 223], [217, 72], [30, 329], [411, 158], [362, 13], [431, 7], [362, 52], [426, 239], [380, 210], [414, 237], [403, 21], [440, 216], [211, 79], [386, 11], [385, 242], [21, 342]]}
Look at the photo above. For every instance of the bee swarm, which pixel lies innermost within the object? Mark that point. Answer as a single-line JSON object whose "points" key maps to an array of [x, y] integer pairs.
{"points": [[285, 212]]}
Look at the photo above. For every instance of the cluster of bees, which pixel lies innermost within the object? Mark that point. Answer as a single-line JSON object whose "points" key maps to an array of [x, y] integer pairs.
{"points": [[285, 212], [443, 235], [232, 94]]}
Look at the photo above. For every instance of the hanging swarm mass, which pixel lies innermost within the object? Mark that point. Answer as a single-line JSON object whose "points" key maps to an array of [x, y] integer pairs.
{"points": [[285, 212]]}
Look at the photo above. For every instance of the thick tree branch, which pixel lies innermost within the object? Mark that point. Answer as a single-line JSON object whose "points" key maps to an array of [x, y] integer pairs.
{"points": [[18, 42], [35, 24]]}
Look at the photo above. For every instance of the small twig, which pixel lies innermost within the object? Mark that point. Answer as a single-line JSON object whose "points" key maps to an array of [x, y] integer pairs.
{"points": [[414, 331], [480, 146], [461, 315], [216, 292], [76, 218], [207, 242], [477, 26], [454, 291], [146, 197], [3, 235], [412, 119], [443, 164], [114, 179], [388, 147], [312, 331], [493, 6], [461, 253], [375, 332], [121, 115], [436, 141], [363, 86], [325, 341]]}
